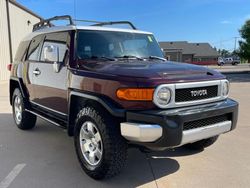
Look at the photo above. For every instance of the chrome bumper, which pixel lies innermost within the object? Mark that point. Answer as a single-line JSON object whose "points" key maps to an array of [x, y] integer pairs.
{"points": [[141, 132], [149, 133], [197, 134]]}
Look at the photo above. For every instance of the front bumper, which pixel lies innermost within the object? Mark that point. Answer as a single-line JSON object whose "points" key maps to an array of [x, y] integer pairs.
{"points": [[158, 129]]}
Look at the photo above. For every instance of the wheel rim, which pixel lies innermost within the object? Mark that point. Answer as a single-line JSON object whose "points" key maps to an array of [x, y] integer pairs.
{"points": [[91, 143], [18, 109]]}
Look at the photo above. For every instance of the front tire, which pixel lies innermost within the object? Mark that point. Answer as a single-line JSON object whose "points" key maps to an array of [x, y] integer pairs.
{"points": [[200, 145], [100, 148], [23, 119]]}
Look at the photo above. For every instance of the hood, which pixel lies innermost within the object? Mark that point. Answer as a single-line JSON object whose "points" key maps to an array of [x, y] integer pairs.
{"points": [[158, 71]]}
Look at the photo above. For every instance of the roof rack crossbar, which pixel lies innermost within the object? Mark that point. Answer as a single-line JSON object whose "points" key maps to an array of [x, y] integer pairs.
{"points": [[114, 23], [89, 21], [47, 22]]}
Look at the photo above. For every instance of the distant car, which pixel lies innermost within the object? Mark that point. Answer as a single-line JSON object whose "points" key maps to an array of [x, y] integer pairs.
{"points": [[220, 61], [229, 60], [236, 60]]}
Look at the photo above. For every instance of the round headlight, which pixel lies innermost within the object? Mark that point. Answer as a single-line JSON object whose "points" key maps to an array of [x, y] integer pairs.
{"points": [[162, 96], [225, 88]]}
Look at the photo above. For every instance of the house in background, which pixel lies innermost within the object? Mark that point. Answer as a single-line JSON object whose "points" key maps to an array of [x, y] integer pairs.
{"points": [[195, 53], [16, 21]]}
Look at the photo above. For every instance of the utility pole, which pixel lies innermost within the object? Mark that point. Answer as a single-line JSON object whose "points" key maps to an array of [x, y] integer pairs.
{"points": [[235, 42], [220, 43]]}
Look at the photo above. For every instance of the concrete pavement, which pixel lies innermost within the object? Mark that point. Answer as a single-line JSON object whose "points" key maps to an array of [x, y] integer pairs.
{"points": [[50, 161]]}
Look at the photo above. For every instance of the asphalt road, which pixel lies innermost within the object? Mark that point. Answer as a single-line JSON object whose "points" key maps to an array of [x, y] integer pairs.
{"points": [[232, 68], [45, 157]]}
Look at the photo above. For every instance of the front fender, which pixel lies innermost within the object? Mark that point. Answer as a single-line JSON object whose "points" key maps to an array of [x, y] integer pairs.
{"points": [[78, 100]]}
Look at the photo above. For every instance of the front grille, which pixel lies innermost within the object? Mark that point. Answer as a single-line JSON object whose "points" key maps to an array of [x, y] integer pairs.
{"points": [[206, 122], [185, 95]]}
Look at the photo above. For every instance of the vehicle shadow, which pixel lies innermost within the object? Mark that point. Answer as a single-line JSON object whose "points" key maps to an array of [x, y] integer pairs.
{"points": [[57, 159], [142, 169], [175, 152]]}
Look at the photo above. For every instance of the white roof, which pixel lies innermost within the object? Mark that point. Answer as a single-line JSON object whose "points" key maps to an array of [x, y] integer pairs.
{"points": [[73, 27]]}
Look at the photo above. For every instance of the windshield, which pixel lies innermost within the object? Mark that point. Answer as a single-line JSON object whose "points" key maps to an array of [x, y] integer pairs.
{"points": [[110, 44]]}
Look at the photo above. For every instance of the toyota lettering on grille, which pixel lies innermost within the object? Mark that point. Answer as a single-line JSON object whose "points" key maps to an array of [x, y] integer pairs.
{"points": [[195, 93]]}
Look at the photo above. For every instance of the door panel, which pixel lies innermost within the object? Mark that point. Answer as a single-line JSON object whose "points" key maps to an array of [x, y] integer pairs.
{"points": [[30, 61], [29, 79], [50, 87]]}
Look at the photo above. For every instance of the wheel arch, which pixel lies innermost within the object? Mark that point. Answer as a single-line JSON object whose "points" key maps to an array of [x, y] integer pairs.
{"points": [[16, 83], [78, 100]]}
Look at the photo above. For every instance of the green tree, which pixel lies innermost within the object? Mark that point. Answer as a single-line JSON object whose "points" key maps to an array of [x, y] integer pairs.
{"points": [[224, 53], [235, 53], [244, 50]]}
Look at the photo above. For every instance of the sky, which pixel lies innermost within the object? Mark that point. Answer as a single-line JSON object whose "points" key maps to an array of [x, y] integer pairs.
{"points": [[214, 21]]}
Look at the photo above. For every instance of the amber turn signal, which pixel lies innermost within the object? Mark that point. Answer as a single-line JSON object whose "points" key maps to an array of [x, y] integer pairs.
{"points": [[135, 94]]}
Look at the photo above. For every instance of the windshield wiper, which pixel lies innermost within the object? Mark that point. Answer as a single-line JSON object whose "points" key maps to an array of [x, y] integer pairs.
{"points": [[103, 57], [156, 57], [130, 57]]}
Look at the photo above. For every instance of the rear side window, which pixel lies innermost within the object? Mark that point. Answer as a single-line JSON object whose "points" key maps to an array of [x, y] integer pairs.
{"points": [[21, 51], [33, 53]]}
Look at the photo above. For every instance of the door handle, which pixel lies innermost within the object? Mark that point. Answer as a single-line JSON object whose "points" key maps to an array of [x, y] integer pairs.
{"points": [[36, 72]]}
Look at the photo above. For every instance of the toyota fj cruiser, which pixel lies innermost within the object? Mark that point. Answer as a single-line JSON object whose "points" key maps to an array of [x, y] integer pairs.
{"points": [[112, 88]]}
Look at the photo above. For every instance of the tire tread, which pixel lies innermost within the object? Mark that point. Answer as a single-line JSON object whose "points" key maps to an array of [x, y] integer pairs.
{"points": [[115, 146], [28, 120]]}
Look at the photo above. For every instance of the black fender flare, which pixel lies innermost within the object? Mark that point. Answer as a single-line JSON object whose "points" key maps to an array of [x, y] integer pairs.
{"points": [[114, 111], [22, 88]]}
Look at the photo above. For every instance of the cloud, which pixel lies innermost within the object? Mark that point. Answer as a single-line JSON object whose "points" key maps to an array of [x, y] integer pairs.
{"points": [[226, 22]]}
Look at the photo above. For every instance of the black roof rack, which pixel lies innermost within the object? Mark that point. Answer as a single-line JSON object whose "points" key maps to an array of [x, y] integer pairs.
{"points": [[47, 22], [114, 23], [98, 23]]}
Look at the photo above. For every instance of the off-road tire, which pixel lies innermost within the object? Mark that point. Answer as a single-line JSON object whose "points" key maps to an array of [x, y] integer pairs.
{"points": [[114, 145], [200, 145], [28, 120]]}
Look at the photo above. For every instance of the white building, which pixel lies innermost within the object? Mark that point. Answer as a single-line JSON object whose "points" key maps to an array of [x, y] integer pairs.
{"points": [[16, 21]]}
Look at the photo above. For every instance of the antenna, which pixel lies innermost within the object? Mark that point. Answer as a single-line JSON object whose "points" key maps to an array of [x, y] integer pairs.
{"points": [[74, 9]]}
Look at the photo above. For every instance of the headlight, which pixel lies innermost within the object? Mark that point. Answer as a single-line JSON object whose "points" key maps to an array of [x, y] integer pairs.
{"points": [[225, 88], [162, 96]]}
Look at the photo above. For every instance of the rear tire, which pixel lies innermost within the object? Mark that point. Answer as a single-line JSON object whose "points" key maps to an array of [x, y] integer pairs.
{"points": [[109, 148], [23, 119], [200, 145]]}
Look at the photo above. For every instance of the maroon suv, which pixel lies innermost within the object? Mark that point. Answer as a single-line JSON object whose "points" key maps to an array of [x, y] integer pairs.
{"points": [[112, 88]]}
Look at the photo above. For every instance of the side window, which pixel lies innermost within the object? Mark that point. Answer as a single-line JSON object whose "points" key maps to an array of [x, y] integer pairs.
{"points": [[60, 41], [33, 53], [61, 48]]}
